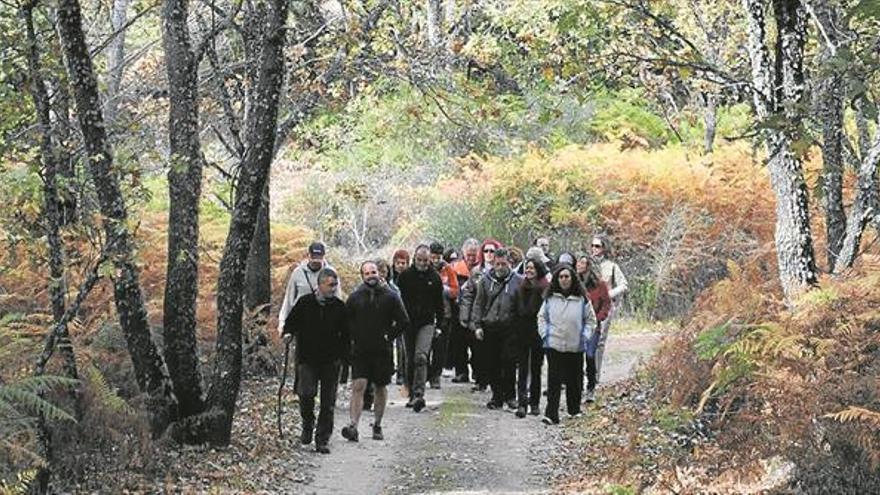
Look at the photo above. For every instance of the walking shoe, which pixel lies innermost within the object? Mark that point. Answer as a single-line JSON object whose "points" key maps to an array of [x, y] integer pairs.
{"points": [[460, 379], [377, 433], [435, 383], [409, 403], [591, 396], [322, 448], [521, 412], [492, 404], [306, 436], [418, 404], [350, 433], [534, 410], [549, 421], [512, 404], [575, 415]]}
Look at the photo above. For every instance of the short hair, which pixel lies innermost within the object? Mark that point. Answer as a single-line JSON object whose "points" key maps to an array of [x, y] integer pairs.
{"points": [[470, 243], [436, 248], [401, 254], [502, 253], [327, 272], [422, 247]]}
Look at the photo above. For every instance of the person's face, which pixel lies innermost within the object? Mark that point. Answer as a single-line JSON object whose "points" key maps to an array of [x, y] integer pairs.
{"points": [[436, 259], [370, 274], [501, 265], [514, 258], [383, 271], [582, 266], [316, 261], [544, 244], [489, 253], [400, 264], [565, 279], [470, 255], [531, 273], [328, 286], [422, 260], [596, 247]]}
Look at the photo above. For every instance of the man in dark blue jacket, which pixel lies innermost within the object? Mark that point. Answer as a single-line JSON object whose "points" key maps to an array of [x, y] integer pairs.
{"points": [[376, 317], [318, 323], [422, 293]]}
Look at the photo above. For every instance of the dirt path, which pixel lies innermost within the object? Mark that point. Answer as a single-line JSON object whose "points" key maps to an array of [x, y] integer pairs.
{"points": [[455, 445]]}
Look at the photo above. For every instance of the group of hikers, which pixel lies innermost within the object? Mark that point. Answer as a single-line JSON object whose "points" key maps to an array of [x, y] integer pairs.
{"points": [[490, 313]]}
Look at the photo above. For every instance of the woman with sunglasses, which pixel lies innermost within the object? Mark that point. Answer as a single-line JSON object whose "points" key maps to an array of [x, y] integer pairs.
{"points": [[612, 275], [597, 293], [485, 256], [565, 323]]}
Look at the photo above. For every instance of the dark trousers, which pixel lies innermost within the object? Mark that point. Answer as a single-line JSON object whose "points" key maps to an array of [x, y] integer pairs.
{"points": [[591, 372], [458, 349], [529, 364], [418, 347], [478, 360], [500, 363], [439, 352], [310, 378], [400, 351], [564, 368]]}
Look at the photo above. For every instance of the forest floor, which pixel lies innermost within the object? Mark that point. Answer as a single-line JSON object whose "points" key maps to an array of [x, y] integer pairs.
{"points": [[455, 445]]}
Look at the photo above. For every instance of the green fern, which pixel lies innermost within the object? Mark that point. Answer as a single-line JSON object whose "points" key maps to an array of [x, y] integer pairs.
{"points": [[104, 394], [23, 397], [22, 485]]}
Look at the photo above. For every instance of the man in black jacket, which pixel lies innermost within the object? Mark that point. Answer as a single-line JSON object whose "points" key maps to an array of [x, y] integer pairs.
{"points": [[318, 323], [422, 293], [376, 317]]}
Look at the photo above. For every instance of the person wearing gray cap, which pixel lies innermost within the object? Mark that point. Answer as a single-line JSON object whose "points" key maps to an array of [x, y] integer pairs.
{"points": [[304, 280]]}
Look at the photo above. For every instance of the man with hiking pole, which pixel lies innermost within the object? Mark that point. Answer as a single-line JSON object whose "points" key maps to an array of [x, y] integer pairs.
{"points": [[318, 323]]}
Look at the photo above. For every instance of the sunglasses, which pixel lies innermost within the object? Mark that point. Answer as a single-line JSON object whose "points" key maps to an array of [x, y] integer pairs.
{"points": [[597, 246], [488, 250]]}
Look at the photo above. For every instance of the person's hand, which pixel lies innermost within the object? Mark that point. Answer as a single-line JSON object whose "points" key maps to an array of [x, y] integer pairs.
{"points": [[478, 333], [288, 338], [438, 331]]}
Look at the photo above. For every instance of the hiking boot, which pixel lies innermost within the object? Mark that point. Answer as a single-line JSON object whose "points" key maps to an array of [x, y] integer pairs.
{"points": [[409, 403], [534, 410], [492, 404], [590, 397], [435, 383], [461, 379], [350, 433], [306, 437], [549, 421], [521, 412], [377, 433], [512, 404], [418, 404], [322, 448]]}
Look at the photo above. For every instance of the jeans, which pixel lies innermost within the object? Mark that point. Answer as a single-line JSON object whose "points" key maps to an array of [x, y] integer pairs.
{"points": [[529, 364], [310, 378]]}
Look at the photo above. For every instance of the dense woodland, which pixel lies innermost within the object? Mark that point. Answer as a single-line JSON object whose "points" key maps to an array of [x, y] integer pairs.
{"points": [[165, 163]]}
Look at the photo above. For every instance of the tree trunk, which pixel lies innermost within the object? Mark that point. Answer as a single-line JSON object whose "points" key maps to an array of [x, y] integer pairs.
{"points": [[148, 366], [65, 163], [184, 188], [862, 129], [258, 280], [830, 93], [710, 121], [433, 26], [115, 59], [778, 101], [260, 129], [864, 208]]}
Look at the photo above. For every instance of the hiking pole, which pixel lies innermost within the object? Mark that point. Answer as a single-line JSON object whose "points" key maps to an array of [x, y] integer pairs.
{"points": [[281, 387]]}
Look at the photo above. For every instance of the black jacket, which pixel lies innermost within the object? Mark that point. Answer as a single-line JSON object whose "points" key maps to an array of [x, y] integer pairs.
{"points": [[529, 299], [376, 317], [422, 294], [321, 330]]}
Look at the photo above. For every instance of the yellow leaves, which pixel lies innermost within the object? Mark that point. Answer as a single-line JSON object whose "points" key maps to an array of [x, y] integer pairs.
{"points": [[855, 414]]}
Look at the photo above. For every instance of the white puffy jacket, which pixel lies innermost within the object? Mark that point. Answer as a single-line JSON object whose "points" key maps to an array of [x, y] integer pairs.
{"points": [[566, 323]]}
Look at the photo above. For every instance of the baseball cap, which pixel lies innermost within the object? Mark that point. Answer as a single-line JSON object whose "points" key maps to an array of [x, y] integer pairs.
{"points": [[316, 249]]}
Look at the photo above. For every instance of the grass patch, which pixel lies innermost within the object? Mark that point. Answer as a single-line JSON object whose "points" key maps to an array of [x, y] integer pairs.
{"points": [[453, 411]]}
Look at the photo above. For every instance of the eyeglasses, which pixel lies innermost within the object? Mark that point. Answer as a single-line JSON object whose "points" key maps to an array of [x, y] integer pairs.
{"points": [[597, 246], [488, 250]]}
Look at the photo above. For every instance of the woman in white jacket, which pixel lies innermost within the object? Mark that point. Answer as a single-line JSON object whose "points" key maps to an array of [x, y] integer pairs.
{"points": [[565, 323]]}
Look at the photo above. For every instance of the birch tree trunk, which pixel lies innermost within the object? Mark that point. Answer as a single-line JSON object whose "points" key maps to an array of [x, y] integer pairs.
{"points": [[776, 98], [115, 59], [433, 24], [864, 208]]}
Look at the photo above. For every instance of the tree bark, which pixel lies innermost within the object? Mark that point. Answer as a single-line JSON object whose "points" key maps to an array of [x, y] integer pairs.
{"points": [[830, 98], [260, 129], [115, 59], [258, 280], [184, 190], [66, 168], [433, 27], [148, 366], [864, 208], [776, 98], [710, 121]]}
